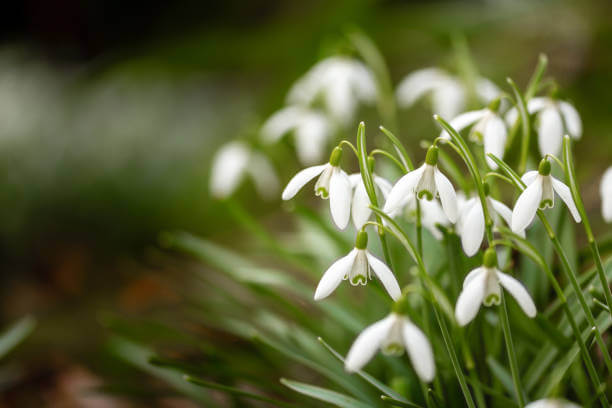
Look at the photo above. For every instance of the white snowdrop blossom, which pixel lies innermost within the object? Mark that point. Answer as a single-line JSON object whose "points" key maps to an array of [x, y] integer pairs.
{"points": [[432, 214], [488, 129], [551, 403], [471, 223], [360, 207], [341, 83], [357, 267], [311, 131], [447, 92], [392, 335], [606, 195], [483, 286], [540, 194], [426, 182], [233, 162], [333, 183], [554, 119]]}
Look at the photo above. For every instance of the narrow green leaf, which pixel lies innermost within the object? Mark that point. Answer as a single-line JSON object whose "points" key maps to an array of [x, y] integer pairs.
{"points": [[398, 403], [15, 334], [323, 394]]}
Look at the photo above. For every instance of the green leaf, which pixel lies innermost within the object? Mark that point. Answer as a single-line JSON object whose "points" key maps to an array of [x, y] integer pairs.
{"points": [[15, 334], [323, 394], [398, 403], [236, 391]]}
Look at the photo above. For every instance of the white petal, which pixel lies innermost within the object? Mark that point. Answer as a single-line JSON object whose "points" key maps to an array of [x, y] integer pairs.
{"points": [[355, 178], [385, 275], [367, 344], [572, 119], [340, 198], [228, 168], [526, 206], [300, 179], [280, 123], [495, 135], [502, 210], [473, 273], [470, 298], [537, 104], [448, 198], [550, 131], [334, 275], [566, 195], [486, 90], [384, 185], [418, 83], [518, 292], [419, 351], [360, 208], [263, 175], [404, 187], [552, 403], [529, 177], [311, 138], [473, 229], [464, 120], [449, 99], [511, 116], [606, 195]]}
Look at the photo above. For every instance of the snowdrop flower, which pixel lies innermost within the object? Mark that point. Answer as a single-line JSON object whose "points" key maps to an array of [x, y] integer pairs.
{"points": [[392, 335], [555, 118], [333, 183], [482, 286], [471, 224], [488, 129], [235, 160], [539, 193], [551, 403], [360, 208], [356, 267], [426, 182], [448, 93], [311, 131], [606, 195], [341, 82]]}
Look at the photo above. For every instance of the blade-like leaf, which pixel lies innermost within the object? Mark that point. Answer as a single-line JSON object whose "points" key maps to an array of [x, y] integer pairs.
{"points": [[323, 394]]}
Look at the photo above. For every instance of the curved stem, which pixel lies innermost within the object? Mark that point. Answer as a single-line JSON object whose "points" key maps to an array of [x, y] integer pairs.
{"points": [[572, 181], [399, 148], [349, 144], [390, 157]]}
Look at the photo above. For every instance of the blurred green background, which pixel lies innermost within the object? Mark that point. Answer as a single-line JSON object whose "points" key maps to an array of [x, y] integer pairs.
{"points": [[110, 114]]}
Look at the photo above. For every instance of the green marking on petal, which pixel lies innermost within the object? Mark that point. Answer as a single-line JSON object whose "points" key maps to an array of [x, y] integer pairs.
{"points": [[322, 192], [359, 280], [546, 204], [492, 299], [393, 349], [425, 193]]}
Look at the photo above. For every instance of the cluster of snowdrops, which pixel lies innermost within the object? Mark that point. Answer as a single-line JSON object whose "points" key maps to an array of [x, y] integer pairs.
{"points": [[325, 101]]}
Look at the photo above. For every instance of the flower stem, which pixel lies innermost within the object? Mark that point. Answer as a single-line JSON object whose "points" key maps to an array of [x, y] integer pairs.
{"points": [[503, 317], [526, 127], [395, 230], [570, 175]]}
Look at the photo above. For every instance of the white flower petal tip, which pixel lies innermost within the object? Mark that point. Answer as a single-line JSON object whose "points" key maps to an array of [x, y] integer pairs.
{"points": [[334, 275], [564, 192], [385, 276], [472, 228], [527, 205], [552, 403], [447, 194], [393, 335], [605, 190], [471, 297], [340, 198], [233, 162], [519, 293], [300, 180]]}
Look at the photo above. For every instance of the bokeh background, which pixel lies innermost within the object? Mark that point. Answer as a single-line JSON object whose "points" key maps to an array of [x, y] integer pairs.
{"points": [[110, 113]]}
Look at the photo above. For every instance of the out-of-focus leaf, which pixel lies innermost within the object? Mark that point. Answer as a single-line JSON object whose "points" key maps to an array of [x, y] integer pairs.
{"points": [[15, 334], [398, 403], [323, 394], [237, 392]]}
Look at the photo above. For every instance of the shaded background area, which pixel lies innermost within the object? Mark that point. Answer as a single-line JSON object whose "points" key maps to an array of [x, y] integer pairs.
{"points": [[110, 113]]}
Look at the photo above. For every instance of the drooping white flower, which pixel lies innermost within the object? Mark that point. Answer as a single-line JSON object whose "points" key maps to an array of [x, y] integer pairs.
{"points": [[235, 160], [540, 193], [606, 195], [483, 286], [448, 93], [471, 223], [333, 183], [552, 403], [341, 83], [360, 208], [392, 335], [357, 267], [555, 119], [311, 131], [488, 129], [426, 182]]}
